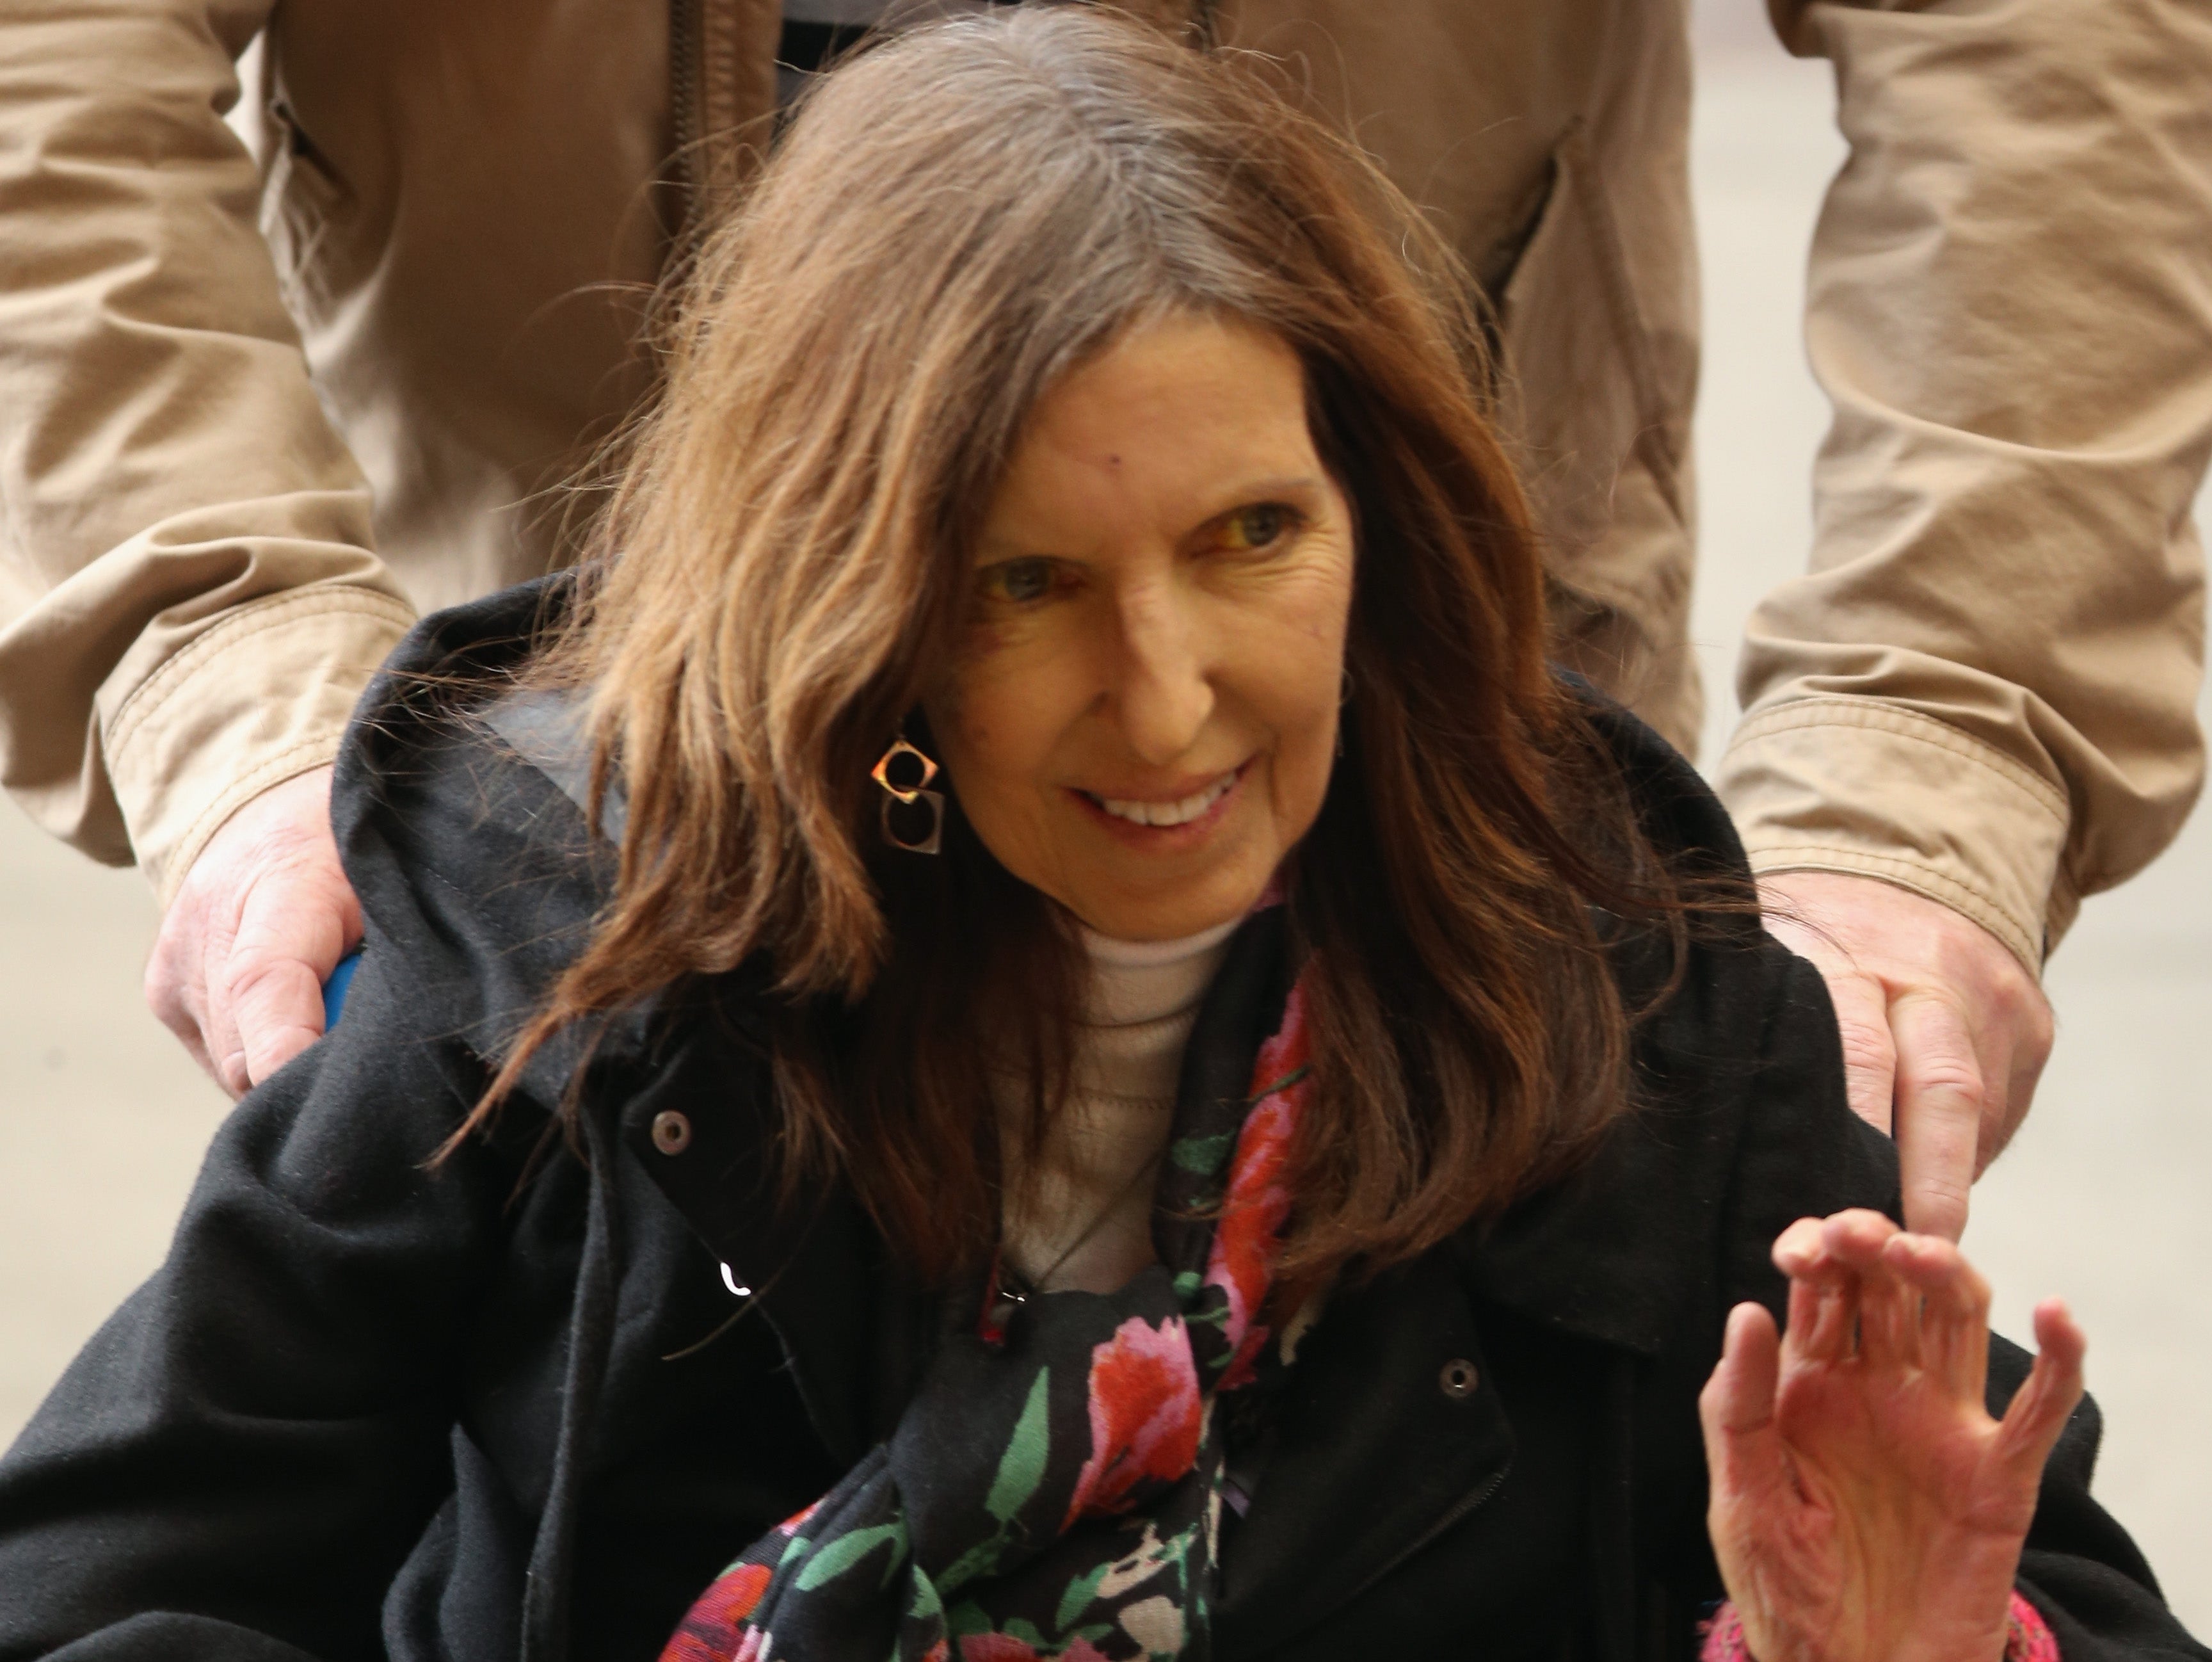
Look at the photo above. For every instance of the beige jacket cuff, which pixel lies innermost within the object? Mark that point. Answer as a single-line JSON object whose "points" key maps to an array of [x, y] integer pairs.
{"points": [[264, 696], [1806, 780]]}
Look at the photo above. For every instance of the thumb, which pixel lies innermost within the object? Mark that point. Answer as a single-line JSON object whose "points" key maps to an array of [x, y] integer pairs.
{"points": [[299, 920], [277, 1004], [1743, 1447], [2040, 1408]]}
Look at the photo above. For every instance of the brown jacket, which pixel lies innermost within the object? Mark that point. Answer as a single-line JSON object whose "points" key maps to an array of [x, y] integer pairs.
{"points": [[253, 419]]}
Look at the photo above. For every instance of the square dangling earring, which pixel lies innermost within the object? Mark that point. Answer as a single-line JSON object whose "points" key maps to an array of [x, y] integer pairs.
{"points": [[913, 815]]}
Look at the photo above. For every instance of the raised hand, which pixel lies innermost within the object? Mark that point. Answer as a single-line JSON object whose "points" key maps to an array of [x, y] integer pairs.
{"points": [[1865, 1507]]}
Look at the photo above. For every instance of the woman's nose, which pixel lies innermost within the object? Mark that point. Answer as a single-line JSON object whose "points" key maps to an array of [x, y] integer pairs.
{"points": [[1166, 692]]}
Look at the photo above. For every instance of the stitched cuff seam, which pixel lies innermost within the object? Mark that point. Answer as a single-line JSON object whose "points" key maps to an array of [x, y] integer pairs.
{"points": [[1770, 859], [1904, 724], [258, 617]]}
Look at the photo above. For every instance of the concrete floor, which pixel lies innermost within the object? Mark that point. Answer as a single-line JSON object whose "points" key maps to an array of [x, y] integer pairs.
{"points": [[2103, 1197]]}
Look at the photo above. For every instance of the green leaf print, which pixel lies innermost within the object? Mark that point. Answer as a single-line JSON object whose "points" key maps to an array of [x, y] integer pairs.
{"points": [[1203, 1156], [1021, 1467], [927, 1605], [1077, 1599], [843, 1554], [978, 1561]]}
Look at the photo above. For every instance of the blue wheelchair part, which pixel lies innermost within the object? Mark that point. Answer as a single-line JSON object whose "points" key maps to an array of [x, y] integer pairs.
{"points": [[334, 990]]}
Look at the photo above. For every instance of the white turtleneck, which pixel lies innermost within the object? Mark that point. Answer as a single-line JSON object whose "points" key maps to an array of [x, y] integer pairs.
{"points": [[1083, 1217]]}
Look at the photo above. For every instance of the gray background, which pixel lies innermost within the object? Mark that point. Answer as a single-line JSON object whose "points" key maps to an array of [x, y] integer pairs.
{"points": [[2103, 1197]]}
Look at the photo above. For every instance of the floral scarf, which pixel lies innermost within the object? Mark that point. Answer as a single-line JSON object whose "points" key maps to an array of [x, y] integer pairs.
{"points": [[1055, 1488]]}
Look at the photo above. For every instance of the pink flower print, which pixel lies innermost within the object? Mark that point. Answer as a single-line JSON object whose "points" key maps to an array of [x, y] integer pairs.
{"points": [[1005, 1647], [714, 1629], [995, 1647], [1145, 1415], [1287, 1049], [1259, 1200]]}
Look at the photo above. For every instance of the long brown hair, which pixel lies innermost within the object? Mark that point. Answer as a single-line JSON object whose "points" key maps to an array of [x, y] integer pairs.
{"points": [[951, 223]]}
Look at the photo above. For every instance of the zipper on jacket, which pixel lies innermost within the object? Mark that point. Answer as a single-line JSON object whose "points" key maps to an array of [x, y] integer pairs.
{"points": [[1465, 1505], [686, 29]]}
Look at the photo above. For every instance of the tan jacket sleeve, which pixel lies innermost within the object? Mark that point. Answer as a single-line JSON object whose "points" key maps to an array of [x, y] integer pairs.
{"points": [[1983, 689], [188, 605]]}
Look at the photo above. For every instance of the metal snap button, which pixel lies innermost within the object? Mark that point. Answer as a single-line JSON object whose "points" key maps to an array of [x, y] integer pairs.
{"points": [[672, 1131], [1458, 1378]]}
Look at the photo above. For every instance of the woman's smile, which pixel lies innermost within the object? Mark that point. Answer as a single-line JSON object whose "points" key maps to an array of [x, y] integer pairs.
{"points": [[1161, 820]]}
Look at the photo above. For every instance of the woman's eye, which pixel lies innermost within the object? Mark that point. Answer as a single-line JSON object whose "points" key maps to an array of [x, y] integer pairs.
{"points": [[1262, 526], [1018, 581]]}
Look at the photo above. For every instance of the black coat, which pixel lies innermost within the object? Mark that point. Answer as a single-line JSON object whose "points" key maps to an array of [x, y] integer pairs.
{"points": [[368, 1408]]}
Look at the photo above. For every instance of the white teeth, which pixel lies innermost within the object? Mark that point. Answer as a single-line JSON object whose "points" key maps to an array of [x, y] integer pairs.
{"points": [[1168, 813]]}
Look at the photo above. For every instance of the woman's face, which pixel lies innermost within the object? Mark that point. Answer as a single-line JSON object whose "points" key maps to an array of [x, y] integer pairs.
{"points": [[1142, 715]]}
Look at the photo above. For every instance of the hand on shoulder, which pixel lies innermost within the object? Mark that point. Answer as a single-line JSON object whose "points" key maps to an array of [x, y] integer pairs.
{"points": [[260, 921], [1945, 1032]]}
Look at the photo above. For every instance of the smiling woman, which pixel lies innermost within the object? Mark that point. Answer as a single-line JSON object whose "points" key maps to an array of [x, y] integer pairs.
{"points": [[1025, 1025], [1142, 711]]}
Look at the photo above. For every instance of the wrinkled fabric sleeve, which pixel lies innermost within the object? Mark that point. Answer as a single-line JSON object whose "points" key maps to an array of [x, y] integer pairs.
{"points": [[190, 605], [1983, 688], [239, 1462]]}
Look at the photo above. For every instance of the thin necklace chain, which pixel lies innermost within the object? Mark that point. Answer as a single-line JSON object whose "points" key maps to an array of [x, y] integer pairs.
{"points": [[1040, 1282]]}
